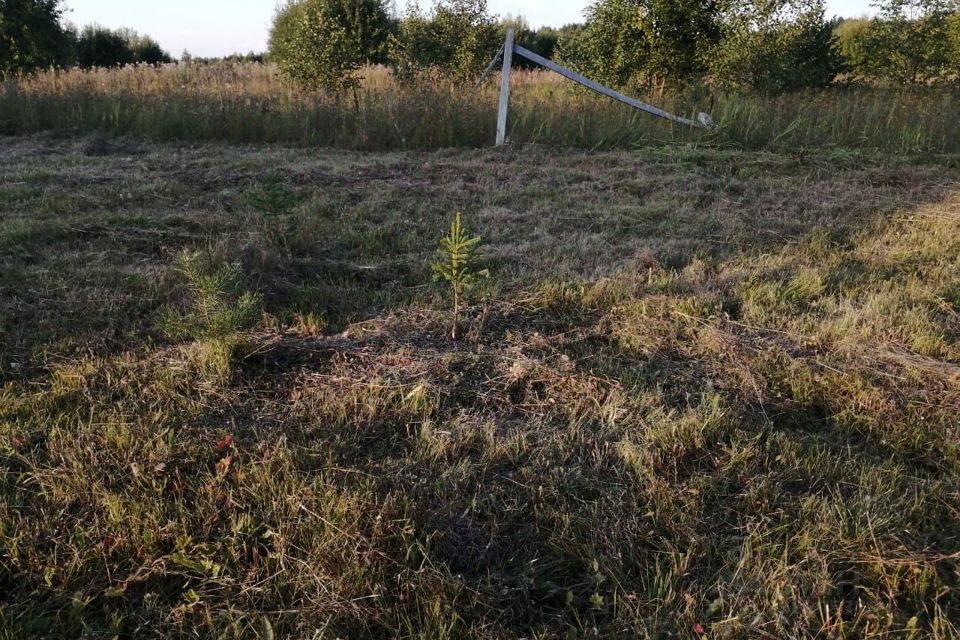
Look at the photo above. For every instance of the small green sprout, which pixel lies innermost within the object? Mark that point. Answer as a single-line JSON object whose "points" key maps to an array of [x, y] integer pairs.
{"points": [[457, 265]]}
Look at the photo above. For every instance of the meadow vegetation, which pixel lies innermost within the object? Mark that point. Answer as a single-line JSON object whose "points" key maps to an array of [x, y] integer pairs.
{"points": [[34, 35], [773, 75], [704, 393], [250, 103]]}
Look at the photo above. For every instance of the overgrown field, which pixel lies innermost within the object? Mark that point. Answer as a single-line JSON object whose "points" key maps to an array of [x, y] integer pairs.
{"points": [[248, 103], [703, 394]]}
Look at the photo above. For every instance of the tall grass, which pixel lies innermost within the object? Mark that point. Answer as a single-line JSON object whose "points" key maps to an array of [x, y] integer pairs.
{"points": [[250, 103]]}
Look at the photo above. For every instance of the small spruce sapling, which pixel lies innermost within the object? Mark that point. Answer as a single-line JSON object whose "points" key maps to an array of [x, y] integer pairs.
{"points": [[276, 204], [457, 266]]}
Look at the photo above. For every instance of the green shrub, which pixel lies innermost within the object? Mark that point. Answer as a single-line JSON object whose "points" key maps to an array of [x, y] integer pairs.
{"points": [[32, 36], [458, 38], [323, 43], [911, 41], [853, 43], [608, 49], [777, 47], [643, 44], [101, 47]]}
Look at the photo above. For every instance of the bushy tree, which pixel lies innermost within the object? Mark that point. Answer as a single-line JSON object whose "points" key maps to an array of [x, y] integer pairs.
{"points": [[457, 38], [953, 35], [145, 49], [610, 47], [853, 43], [645, 43], [542, 41], [101, 47], [322, 43], [911, 40], [98, 46], [776, 46], [570, 44], [31, 36]]}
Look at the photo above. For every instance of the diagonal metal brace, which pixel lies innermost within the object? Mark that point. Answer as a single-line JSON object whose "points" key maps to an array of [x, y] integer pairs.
{"points": [[493, 63], [599, 88]]}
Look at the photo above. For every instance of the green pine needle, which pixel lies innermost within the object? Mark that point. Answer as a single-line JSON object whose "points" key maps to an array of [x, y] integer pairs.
{"points": [[457, 265]]}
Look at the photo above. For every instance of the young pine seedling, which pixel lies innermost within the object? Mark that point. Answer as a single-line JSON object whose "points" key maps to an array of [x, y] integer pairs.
{"points": [[276, 205], [218, 304], [219, 310], [457, 266]]}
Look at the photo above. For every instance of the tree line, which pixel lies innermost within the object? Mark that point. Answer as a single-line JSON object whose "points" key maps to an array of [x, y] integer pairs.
{"points": [[34, 35], [770, 46]]}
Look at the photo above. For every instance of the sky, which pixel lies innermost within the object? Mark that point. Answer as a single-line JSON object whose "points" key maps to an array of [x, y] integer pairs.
{"points": [[221, 27]]}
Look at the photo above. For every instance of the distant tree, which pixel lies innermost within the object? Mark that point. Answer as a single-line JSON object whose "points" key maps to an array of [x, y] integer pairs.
{"points": [[457, 38], [322, 43], [953, 35], [610, 47], [777, 46], [853, 43], [99, 46], [251, 57], [32, 36], [102, 47], [645, 43], [910, 42], [145, 49], [414, 47], [542, 41], [569, 43]]}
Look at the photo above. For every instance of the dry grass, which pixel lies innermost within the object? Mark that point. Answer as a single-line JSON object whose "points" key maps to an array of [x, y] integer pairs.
{"points": [[249, 103], [704, 394]]}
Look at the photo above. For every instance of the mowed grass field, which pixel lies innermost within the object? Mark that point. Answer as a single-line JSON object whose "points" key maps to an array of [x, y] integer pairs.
{"points": [[704, 393]]}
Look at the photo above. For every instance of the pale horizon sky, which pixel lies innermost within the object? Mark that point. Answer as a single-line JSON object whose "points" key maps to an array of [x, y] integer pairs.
{"points": [[221, 27]]}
